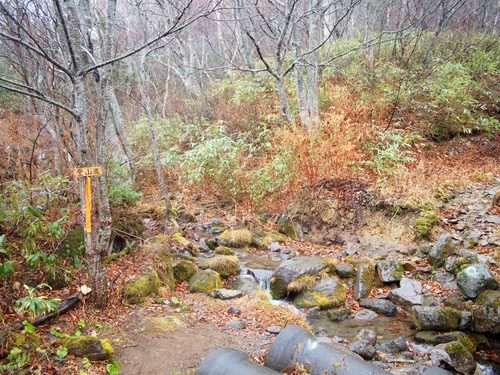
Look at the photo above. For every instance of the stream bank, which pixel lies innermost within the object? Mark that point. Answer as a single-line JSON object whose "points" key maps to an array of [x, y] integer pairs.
{"points": [[468, 218]]}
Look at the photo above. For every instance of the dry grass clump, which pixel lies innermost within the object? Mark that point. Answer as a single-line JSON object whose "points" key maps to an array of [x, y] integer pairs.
{"points": [[225, 265], [237, 238], [330, 265], [304, 282]]}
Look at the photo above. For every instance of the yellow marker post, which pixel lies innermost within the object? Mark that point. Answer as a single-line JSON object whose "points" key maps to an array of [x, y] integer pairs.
{"points": [[87, 172], [88, 205]]}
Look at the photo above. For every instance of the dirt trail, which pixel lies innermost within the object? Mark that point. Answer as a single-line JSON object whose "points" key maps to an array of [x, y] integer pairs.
{"points": [[180, 351]]}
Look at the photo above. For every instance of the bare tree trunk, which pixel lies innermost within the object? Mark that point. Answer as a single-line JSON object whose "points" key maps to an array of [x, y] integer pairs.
{"points": [[300, 87], [285, 109], [315, 26], [152, 133], [116, 134], [242, 40]]}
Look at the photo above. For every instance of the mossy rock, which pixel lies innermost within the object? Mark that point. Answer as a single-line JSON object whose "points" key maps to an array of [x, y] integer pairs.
{"points": [[326, 294], [338, 315], [427, 318], [290, 270], [457, 357], [186, 244], [390, 270], [225, 265], [115, 256], [224, 250], [487, 312], [205, 282], [137, 290], [435, 338], [184, 270], [363, 283], [90, 347], [237, 238], [287, 227]]}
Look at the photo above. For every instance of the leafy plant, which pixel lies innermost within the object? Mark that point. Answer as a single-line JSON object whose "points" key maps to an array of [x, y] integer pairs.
{"points": [[36, 304], [113, 368], [30, 328], [62, 352], [41, 234], [17, 359], [7, 267], [393, 150]]}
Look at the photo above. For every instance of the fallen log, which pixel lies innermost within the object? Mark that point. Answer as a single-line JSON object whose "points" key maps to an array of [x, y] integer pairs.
{"points": [[62, 308], [7, 332]]}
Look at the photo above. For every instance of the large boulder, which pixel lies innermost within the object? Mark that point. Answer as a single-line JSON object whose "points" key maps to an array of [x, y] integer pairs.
{"points": [[475, 279], [325, 294], [204, 282], [390, 270], [408, 294], [363, 282], [487, 312], [291, 270], [437, 318], [441, 250]]}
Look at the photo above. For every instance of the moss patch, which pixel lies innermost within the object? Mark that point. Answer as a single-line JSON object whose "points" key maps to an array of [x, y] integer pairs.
{"points": [[426, 221]]}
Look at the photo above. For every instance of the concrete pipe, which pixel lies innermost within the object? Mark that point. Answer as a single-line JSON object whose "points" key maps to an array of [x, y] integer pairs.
{"points": [[295, 345], [228, 361]]}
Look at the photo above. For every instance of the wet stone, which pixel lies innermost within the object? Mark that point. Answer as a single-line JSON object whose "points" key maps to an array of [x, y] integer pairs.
{"points": [[337, 315], [226, 293], [273, 330], [236, 324], [380, 306], [365, 315]]}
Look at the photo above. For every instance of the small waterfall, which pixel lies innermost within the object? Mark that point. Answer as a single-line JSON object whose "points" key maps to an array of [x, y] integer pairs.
{"points": [[261, 276]]}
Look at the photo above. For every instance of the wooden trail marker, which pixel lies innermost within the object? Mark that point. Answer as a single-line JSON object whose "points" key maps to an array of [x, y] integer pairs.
{"points": [[87, 172]]}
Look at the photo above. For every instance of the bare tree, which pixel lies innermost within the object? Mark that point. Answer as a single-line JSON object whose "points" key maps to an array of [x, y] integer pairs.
{"points": [[53, 40]]}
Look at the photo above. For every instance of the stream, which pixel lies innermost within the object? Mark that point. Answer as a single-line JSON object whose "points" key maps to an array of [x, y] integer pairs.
{"points": [[387, 328]]}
